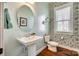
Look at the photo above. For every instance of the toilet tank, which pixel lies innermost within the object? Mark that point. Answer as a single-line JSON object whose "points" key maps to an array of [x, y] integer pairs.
{"points": [[47, 38]]}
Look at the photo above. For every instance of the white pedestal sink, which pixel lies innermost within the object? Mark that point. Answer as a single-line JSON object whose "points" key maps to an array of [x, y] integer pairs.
{"points": [[29, 42], [32, 50]]}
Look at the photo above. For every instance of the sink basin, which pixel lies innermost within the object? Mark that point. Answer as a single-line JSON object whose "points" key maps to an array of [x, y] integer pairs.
{"points": [[28, 40]]}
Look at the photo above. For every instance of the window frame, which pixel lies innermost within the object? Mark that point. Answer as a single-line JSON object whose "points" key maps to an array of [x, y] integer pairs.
{"points": [[71, 17]]}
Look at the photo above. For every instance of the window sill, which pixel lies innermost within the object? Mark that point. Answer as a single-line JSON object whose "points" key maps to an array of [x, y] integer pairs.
{"points": [[67, 33]]}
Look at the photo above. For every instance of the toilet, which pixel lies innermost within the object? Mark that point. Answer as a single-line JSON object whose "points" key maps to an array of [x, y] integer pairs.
{"points": [[52, 46]]}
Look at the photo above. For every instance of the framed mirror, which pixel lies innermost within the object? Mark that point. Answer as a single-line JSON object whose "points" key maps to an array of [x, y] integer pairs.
{"points": [[25, 18]]}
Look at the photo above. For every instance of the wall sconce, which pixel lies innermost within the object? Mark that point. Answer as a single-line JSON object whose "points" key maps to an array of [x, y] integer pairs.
{"points": [[46, 20]]}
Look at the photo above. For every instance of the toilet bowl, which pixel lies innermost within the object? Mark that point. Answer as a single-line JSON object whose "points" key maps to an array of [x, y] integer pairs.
{"points": [[52, 46]]}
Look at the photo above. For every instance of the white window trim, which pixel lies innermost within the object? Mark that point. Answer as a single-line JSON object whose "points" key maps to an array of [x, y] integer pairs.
{"points": [[71, 17]]}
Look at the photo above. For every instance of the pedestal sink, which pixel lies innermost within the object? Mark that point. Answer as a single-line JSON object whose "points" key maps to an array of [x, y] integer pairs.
{"points": [[29, 42]]}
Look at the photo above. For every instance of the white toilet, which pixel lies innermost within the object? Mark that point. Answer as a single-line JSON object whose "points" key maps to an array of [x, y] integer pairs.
{"points": [[52, 46]]}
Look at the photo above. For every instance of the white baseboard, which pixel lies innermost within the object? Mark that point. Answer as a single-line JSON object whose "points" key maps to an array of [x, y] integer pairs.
{"points": [[38, 51]]}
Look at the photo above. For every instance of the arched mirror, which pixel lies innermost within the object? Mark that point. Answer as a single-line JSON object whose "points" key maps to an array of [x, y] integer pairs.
{"points": [[25, 18]]}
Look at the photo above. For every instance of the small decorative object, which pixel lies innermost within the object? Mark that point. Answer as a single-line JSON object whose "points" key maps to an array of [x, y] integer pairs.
{"points": [[23, 21]]}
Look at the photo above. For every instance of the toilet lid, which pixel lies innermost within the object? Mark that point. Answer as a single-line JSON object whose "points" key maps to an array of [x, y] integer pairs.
{"points": [[53, 43]]}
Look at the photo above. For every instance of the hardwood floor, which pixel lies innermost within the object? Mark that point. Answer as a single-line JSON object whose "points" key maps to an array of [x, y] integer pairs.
{"points": [[61, 52]]}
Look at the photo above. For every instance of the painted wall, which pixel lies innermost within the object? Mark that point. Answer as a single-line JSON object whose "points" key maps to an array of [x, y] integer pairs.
{"points": [[42, 11], [69, 40], [12, 46]]}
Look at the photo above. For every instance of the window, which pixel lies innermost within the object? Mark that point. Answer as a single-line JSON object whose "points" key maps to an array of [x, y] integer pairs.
{"points": [[63, 19]]}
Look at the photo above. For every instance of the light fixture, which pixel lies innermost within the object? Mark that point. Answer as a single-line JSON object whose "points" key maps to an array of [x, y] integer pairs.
{"points": [[46, 20]]}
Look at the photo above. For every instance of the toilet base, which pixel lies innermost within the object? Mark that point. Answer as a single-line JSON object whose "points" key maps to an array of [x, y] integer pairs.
{"points": [[52, 48]]}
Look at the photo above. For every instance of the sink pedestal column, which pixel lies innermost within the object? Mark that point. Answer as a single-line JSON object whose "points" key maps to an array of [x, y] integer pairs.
{"points": [[31, 50]]}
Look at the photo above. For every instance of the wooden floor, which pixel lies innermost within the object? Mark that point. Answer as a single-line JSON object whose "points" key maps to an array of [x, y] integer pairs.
{"points": [[61, 52]]}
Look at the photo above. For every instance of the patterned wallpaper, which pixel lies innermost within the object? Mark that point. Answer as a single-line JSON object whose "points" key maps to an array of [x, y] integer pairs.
{"points": [[69, 40]]}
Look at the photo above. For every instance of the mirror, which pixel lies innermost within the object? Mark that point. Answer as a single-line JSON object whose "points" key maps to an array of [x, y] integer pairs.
{"points": [[25, 18]]}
